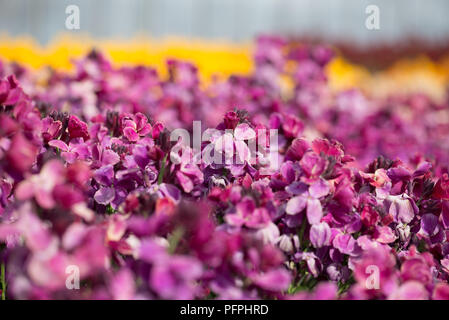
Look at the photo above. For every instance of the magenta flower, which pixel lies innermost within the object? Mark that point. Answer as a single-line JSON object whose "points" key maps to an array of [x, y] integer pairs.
{"points": [[410, 290], [379, 260], [416, 269], [77, 128], [345, 243], [292, 126], [175, 277], [76, 150], [36, 234], [50, 129], [21, 154], [122, 285], [312, 165], [10, 92], [361, 182], [441, 292], [248, 215], [40, 186], [441, 190], [135, 126], [231, 120], [275, 280]]}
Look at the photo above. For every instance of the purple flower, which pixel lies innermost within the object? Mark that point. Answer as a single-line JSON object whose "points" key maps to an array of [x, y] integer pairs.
{"points": [[309, 199], [274, 280], [429, 225], [320, 235], [103, 156], [312, 165], [345, 243], [40, 186], [248, 215], [122, 285], [110, 190], [313, 263], [402, 208], [175, 277], [76, 150]]}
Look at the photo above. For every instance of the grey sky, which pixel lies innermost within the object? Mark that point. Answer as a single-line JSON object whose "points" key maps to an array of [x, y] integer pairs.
{"points": [[228, 19]]}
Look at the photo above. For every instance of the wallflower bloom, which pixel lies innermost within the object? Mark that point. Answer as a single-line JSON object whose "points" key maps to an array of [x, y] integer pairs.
{"points": [[320, 235], [174, 277], [402, 208], [441, 190], [309, 199], [135, 126], [10, 92], [50, 129], [248, 215], [77, 128], [40, 186], [21, 154], [90, 178]]}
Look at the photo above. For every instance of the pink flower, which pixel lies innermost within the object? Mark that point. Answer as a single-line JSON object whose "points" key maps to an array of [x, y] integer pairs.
{"points": [[248, 215], [175, 277], [76, 150], [10, 92], [21, 154], [441, 291], [135, 127], [77, 128], [50, 129], [40, 186], [416, 269], [275, 280], [382, 262], [411, 290], [292, 126], [122, 285]]}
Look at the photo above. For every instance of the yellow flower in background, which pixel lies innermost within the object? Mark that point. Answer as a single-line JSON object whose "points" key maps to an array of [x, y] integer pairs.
{"points": [[221, 58], [344, 75]]}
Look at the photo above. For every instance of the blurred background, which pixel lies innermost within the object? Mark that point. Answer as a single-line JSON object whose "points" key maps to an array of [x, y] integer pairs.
{"points": [[236, 20], [218, 35]]}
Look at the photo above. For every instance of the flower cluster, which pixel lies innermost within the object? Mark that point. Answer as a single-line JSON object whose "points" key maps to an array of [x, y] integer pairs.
{"points": [[357, 206]]}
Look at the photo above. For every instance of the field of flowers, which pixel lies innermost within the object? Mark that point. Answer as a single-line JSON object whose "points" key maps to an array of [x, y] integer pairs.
{"points": [[357, 206]]}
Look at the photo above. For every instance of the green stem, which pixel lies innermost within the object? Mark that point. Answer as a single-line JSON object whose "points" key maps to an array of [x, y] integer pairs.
{"points": [[3, 281], [160, 178], [174, 239], [301, 231], [109, 209]]}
